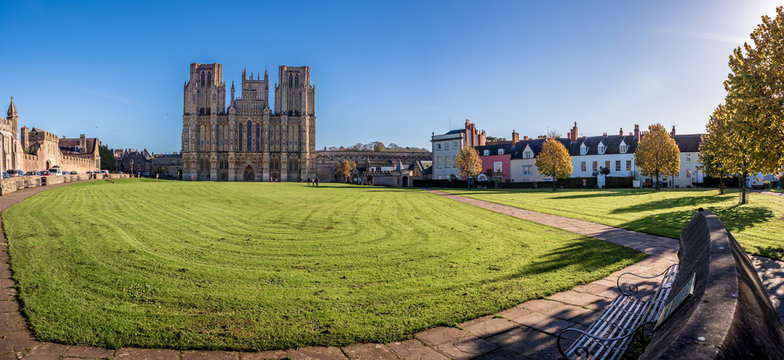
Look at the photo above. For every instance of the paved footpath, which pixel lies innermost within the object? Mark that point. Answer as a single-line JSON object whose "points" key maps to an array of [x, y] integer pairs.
{"points": [[525, 331]]}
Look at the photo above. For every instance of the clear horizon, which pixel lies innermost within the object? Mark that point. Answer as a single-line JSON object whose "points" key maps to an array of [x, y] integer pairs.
{"points": [[389, 72]]}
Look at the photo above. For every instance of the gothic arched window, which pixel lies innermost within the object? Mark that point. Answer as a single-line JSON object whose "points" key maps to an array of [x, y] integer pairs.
{"points": [[201, 83], [249, 133]]}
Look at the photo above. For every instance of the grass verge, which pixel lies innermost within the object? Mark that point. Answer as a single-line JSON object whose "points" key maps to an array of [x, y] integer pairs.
{"points": [[254, 266]]}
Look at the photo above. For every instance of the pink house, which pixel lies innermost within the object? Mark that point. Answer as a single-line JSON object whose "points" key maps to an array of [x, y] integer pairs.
{"points": [[496, 158]]}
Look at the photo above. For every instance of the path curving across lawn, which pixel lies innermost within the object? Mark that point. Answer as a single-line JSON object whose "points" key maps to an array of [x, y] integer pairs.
{"points": [[758, 226], [252, 266]]}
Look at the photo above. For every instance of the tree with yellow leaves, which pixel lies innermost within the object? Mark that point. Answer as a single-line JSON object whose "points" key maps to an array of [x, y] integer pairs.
{"points": [[745, 135], [554, 160], [468, 162], [346, 167], [657, 154]]}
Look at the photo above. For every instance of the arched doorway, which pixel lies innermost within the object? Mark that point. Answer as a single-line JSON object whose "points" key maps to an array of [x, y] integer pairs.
{"points": [[48, 165], [248, 174], [405, 181]]}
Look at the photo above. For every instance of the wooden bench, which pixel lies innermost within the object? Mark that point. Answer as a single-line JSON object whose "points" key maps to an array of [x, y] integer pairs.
{"points": [[609, 336]]}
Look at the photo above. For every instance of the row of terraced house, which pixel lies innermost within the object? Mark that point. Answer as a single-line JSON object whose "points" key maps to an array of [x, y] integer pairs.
{"points": [[514, 160]]}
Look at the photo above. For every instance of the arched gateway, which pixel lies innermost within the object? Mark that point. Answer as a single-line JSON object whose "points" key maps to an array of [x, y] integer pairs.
{"points": [[248, 174]]}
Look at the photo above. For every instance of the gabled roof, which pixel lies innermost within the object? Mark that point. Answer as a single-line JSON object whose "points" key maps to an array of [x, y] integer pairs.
{"points": [[612, 144], [535, 145], [494, 149], [688, 142]]}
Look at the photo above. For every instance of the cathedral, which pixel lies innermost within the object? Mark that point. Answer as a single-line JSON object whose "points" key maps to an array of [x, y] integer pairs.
{"points": [[248, 141]]}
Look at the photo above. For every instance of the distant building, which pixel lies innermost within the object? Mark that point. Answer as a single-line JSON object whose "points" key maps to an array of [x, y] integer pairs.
{"points": [[368, 162], [515, 161], [447, 146], [37, 150], [135, 161], [402, 175]]}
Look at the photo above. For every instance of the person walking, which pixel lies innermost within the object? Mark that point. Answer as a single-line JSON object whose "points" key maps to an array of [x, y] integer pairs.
{"points": [[317, 181], [308, 180]]}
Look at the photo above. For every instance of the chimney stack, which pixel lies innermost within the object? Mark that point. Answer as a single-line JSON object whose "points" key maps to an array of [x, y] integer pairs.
{"points": [[604, 135], [573, 132], [621, 132], [515, 137], [637, 132], [673, 131]]}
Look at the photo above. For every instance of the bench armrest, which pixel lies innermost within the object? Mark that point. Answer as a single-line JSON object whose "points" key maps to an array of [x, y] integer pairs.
{"points": [[632, 288]]}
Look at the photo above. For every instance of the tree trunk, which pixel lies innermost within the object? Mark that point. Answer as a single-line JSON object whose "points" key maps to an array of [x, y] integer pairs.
{"points": [[743, 197], [657, 181], [721, 186], [554, 180]]}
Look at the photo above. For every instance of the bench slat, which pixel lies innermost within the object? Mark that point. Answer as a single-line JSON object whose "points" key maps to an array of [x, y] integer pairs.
{"points": [[623, 316]]}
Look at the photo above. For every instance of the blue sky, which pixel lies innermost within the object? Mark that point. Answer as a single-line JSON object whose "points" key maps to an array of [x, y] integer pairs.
{"points": [[392, 71]]}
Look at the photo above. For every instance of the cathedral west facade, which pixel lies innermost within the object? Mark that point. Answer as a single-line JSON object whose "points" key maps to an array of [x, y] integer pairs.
{"points": [[248, 141]]}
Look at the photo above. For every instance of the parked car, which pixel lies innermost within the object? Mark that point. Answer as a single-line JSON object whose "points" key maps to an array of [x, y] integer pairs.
{"points": [[31, 173], [44, 173], [15, 173], [55, 171], [5, 175], [73, 172]]}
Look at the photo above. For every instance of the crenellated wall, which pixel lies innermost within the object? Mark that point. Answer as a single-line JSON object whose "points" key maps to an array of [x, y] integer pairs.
{"points": [[18, 183]]}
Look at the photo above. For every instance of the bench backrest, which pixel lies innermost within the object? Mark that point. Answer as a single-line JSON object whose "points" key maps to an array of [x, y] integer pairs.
{"points": [[729, 314]]}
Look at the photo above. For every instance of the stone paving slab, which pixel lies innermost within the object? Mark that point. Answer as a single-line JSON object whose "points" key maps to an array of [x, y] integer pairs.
{"points": [[521, 332], [369, 352]]}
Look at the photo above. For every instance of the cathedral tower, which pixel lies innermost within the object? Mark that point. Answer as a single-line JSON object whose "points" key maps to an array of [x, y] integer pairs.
{"points": [[248, 141]]}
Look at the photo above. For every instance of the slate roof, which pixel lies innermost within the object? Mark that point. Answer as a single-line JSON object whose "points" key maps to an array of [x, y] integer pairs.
{"points": [[686, 143], [68, 144], [458, 131], [689, 142], [535, 145], [612, 144], [494, 149]]}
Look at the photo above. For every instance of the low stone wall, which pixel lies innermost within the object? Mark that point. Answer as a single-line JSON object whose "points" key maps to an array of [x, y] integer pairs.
{"points": [[18, 183], [729, 314]]}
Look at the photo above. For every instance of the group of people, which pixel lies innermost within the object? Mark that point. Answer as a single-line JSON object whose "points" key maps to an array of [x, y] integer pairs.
{"points": [[313, 182]]}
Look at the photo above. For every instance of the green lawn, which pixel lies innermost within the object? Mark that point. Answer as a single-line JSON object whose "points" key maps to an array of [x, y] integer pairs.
{"points": [[758, 226], [253, 266]]}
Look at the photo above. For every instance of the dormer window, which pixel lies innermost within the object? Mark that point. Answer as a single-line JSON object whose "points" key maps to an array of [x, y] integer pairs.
{"points": [[486, 152], [500, 151], [529, 155], [583, 149], [601, 148], [623, 148]]}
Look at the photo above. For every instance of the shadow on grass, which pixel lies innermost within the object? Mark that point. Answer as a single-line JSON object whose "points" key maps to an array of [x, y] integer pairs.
{"points": [[604, 193], [589, 254], [773, 252], [735, 218], [693, 201]]}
